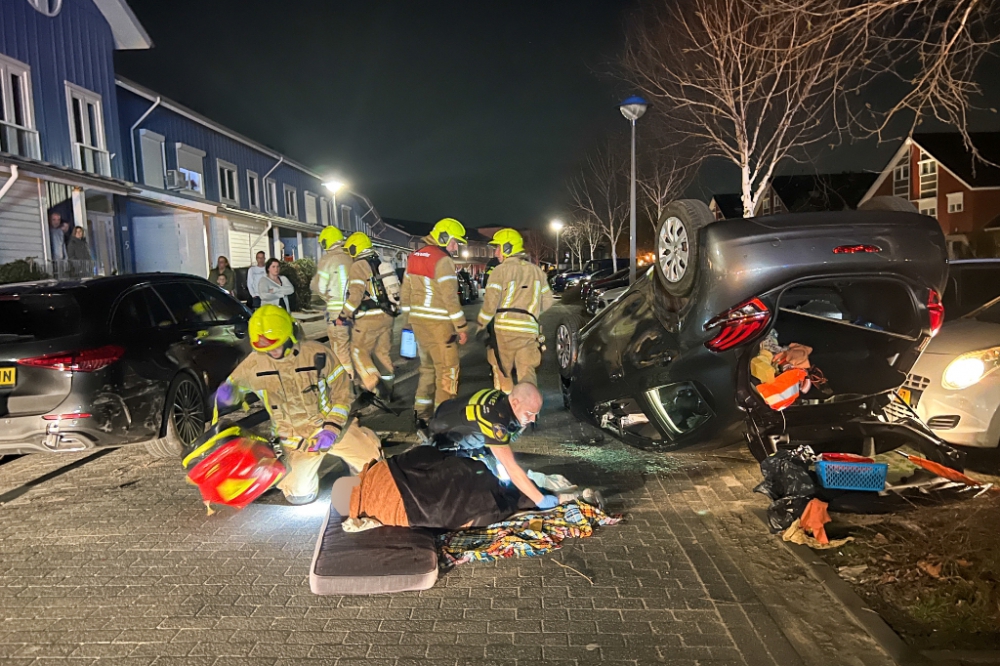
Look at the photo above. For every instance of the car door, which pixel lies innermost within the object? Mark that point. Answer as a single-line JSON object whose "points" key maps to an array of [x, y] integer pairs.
{"points": [[143, 325], [229, 326]]}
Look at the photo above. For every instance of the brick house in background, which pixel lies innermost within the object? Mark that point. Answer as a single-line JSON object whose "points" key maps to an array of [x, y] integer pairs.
{"points": [[937, 173], [800, 194]]}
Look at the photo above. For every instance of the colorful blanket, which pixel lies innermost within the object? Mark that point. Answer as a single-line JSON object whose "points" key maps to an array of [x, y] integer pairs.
{"points": [[526, 534]]}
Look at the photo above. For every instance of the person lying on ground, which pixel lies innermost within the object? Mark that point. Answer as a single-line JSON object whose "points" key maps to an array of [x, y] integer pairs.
{"points": [[425, 487], [484, 426]]}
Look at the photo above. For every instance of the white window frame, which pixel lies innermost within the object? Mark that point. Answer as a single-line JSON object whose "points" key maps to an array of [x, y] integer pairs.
{"points": [[190, 174], [291, 211], [956, 202], [90, 154], [271, 196], [253, 190], [927, 206], [928, 170], [160, 140], [324, 212], [223, 165], [901, 179], [346, 213], [311, 209], [24, 135]]}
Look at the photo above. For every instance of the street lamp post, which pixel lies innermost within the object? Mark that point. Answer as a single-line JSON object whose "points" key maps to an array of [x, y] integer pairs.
{"points": [[556, 226], [334, 186], [632, 108]]}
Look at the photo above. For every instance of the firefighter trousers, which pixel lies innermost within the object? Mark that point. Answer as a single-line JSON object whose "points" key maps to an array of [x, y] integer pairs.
{"points": [[341, 393], [370, 344], [438, 379], [356, 446], [520, 357]]}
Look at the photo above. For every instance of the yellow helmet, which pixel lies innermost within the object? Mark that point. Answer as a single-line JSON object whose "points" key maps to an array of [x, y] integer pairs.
{"points": [[270, 327], [329, 237], [510, 242], [447, 229], [357, 243]]}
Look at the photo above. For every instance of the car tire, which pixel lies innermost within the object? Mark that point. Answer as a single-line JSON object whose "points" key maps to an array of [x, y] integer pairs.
{"points": [[185, 417], [888, 203], [677, 244], [568, 344]]}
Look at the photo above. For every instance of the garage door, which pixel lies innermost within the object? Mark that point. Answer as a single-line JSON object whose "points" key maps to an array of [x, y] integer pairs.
{"points": [[170, 243], [239, 247]]}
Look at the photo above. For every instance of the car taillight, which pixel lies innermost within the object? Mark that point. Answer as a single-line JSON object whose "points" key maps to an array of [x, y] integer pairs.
{"points": [[857, 249], [935, 311], [739, 325], [88, 360]]}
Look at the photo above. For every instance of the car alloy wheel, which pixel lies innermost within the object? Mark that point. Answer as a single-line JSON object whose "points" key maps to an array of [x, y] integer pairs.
{"points": [[186, 413], [673, 249]]}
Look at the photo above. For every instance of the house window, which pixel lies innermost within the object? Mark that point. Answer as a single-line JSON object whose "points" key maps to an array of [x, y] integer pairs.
{"points": [[901, 178], [191, 165], [927, 206], [271, 196], [253, 191], [928, 176], [324, 212], [228, 190], [17, 117], [767, 205], [86, 129], [151, 147], [310, 208], [291, 202], [346, 219], [956, 202]]}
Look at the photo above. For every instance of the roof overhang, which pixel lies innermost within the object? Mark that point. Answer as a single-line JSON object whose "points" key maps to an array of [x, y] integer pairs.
{"points": [[176, 201], [280, 222], [128, 32], [902, 150], [63, 175]]}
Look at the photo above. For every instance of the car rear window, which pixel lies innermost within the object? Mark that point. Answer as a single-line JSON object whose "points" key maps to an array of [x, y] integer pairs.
{"points": [[989, 314], [26, 317]]}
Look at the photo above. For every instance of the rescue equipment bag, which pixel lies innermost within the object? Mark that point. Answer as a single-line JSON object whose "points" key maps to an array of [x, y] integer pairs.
{"points": [[233, 468]]}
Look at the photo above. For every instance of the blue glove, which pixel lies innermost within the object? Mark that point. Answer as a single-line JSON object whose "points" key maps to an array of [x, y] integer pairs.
{"points": [[226, 395], [323, 442], [548, 502]]}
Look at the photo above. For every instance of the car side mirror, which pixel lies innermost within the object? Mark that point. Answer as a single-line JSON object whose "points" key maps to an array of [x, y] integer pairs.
{"points": [[241, 328]]}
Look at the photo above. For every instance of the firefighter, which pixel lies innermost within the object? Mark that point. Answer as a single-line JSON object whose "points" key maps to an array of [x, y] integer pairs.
{"points": [[515, 298], [484, 426], [293, 380], [330, 284], [371, 304], [429, 301]]}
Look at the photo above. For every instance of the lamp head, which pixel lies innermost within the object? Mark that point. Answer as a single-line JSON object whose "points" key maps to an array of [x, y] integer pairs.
{"points": [[633, 108]]}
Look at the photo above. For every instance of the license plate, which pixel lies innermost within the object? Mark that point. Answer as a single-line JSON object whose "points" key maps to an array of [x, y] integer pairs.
{"points": [[8, 376]]}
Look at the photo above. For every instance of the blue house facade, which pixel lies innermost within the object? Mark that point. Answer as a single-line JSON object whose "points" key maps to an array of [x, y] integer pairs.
{"points": [[60, 145], [203, 191]]}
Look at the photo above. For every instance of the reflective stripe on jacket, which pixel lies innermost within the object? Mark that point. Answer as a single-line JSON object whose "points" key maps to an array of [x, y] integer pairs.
{"points": [[330, 282], [430, 288], [516, 284]]}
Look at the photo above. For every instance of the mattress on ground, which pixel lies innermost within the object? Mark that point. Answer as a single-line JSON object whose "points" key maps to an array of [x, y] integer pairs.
{"points": [[378, 561]]}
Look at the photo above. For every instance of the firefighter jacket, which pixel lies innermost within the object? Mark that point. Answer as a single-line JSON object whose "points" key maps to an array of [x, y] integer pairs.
{"points": [[360, 301], [430, 288], [330, 282], [486, 417], [516, 295], [294, 392]]}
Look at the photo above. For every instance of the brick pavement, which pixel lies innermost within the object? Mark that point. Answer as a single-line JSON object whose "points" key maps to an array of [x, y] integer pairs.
{"points": [[116, 562]]}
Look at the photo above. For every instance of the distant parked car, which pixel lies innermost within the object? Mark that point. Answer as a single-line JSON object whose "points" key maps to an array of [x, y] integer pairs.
{"points": [[587, 283], [954, 386], [599, 296], [972, 283], [468, 290], [115, 360], [566, 280]]}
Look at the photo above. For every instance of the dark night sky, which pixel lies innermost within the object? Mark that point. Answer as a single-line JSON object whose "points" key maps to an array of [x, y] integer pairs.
{"points": [[476, 110]]}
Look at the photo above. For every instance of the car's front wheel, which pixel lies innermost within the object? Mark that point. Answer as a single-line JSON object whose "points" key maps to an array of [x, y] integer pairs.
{"points": [[567, 344], [185, 418], [677, 244]]}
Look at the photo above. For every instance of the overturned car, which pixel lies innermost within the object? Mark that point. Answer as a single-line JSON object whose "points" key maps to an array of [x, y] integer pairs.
{"points": [[668, 365]]}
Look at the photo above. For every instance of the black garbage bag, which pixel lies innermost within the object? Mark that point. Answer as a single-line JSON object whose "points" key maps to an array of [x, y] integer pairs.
{"points": [[789, 484]]}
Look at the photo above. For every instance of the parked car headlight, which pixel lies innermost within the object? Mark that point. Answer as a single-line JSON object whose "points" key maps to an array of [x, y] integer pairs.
{"points": [[969, 369]]}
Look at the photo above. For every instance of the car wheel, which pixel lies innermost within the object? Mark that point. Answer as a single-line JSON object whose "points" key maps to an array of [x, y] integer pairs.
{"points": [[888, 203], [567, 344], [185, 419], [677, 244]]}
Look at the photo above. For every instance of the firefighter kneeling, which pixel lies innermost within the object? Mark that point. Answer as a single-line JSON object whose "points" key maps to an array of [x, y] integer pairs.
{"points": [[516, 296], [293, 380], [372, 302]]}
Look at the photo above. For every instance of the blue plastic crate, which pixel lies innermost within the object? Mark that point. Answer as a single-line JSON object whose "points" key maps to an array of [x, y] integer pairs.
{"points": [[852, 475]]}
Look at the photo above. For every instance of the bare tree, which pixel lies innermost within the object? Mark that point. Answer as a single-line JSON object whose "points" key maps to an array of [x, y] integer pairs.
{"points": [[600, 195], [759, 84], [663, 175], [537, 245], [587, 232], [574, 242]]}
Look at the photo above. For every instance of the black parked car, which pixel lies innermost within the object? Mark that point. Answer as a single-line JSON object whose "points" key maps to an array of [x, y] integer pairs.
{"points": [[587, 283], [116, 360], [468, 290], [862, 288]]}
